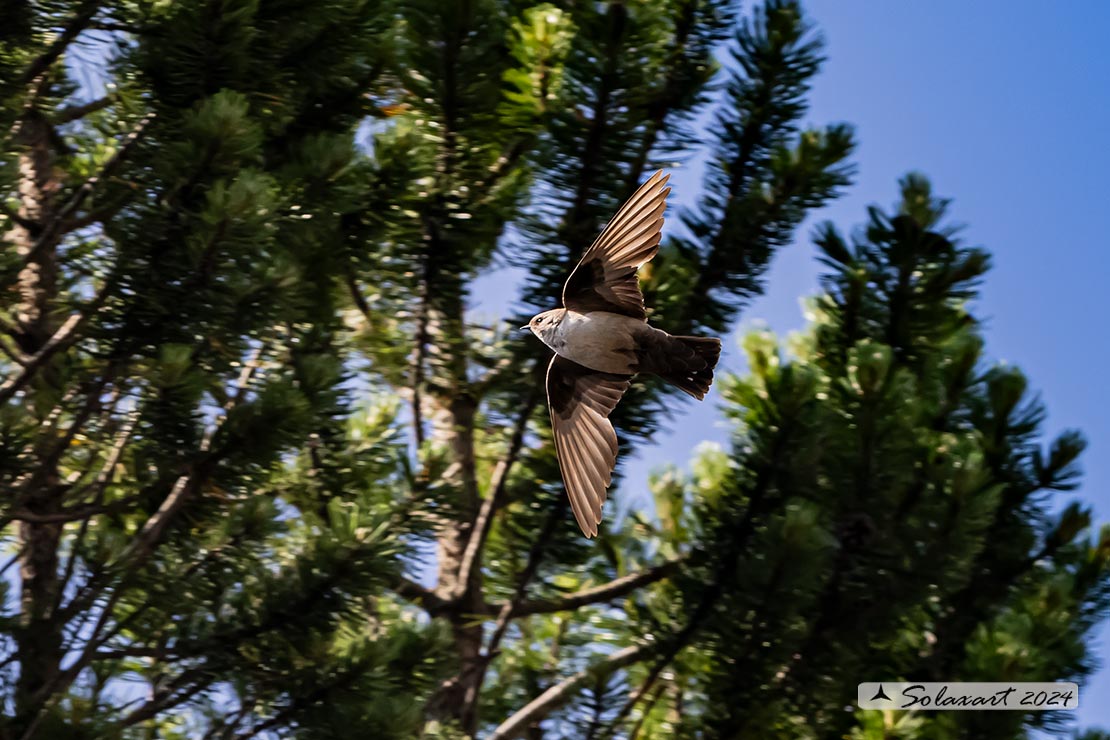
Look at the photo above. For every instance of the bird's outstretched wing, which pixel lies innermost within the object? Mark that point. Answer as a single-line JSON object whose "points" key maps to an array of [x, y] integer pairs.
{"points": [[580, 401], [605, 278]]}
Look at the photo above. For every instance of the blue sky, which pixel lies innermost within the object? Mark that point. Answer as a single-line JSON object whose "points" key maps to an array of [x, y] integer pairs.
{"points": [[1006, 107]]}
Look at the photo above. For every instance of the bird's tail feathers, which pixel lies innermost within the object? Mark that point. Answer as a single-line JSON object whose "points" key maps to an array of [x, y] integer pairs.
{"points": [[687, 363]]}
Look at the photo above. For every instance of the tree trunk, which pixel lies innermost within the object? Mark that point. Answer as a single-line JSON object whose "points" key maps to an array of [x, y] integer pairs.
{"points": [[39, 639], [454, 408]]}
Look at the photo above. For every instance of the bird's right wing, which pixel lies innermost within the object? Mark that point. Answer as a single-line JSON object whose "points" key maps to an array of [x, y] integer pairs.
{"points": [[605, 278], [580, 401]]}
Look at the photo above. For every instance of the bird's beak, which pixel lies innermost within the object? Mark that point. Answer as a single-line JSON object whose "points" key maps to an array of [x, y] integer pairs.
{"points": [[525, 328]]}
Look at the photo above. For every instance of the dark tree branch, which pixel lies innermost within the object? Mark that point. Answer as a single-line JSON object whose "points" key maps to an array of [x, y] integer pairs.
{"points": [[417, 594], [78, 23], [61, 339], [107, 471], [614, 589], [658, 693], [562, 692], [99, 215], [418, 358], [75, 112], [298, 703], [357, 297], [67, 333], [73, 513], [53, 230], [183, 488], [498, 481], [535, 555], [736, 533], [172, 697], [33, 227]]}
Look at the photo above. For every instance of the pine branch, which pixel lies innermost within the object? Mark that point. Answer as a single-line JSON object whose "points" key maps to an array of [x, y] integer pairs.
{"points": [[133, 557], [32, 227], [50, 456], [67, 333], [636, 728], [484, 521], [298, 703], [100, 485], [73, 513], [12, 353], [356, 296], [225, 728], [80, 110], [758, 194], [102, 214], [175, 694], [61, 339], [78, 23], [736, 534], [669, 98], [107, 470], [52, 692], [53, 229], [417, 594], [562, 692], [591, 151], [605, 592], [183, 488], [535, 555], [506, 162], [418, 359]]}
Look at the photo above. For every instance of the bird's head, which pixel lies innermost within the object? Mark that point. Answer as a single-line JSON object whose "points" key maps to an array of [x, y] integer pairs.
{"points": [[542, 324]]}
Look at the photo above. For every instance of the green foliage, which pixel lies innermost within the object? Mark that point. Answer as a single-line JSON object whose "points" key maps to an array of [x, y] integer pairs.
{"points": [[880, 514], [771, 173], [538, 42]]}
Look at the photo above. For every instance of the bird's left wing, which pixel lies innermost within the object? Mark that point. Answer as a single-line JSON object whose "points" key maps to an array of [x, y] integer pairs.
{"points": [[605, 278], [580, 401]]}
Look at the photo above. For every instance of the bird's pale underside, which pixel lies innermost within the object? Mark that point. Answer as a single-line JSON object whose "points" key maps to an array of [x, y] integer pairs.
{"points": [[601, 340]]}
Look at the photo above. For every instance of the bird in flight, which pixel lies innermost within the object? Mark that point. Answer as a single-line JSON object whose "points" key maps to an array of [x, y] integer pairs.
{"points": [[601, 340]]}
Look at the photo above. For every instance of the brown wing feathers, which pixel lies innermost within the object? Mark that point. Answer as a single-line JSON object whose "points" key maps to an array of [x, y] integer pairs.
{"points": [[605, 278], [633, 236], [580, 401]]}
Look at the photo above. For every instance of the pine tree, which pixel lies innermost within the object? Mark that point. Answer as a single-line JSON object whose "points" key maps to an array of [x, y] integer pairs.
{"points": [[885, 512], [195, 501], [245, 400]]}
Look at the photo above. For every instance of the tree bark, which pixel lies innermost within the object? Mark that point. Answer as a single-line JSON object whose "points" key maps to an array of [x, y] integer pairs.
{"points": [[39, 638], [453, 411]]}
